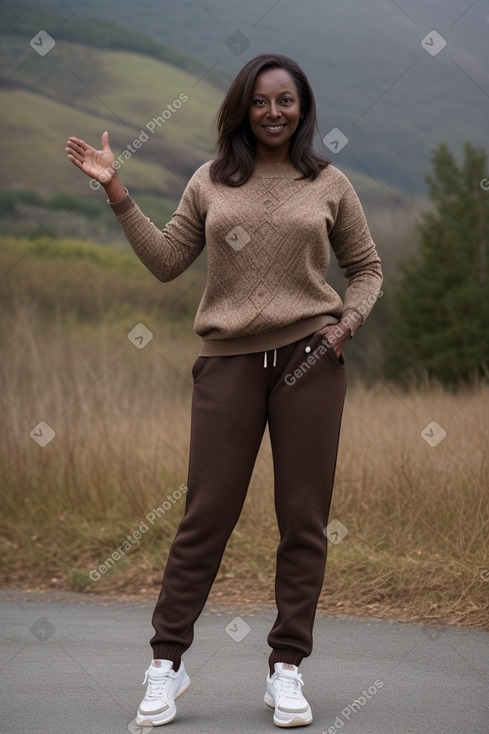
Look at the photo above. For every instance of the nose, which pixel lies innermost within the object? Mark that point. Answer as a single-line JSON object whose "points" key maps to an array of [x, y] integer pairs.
{"points": [[273, 110]]}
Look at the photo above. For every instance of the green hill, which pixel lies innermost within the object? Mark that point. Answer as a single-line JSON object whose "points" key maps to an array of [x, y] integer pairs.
{"points": [[77, 90], [370, 74], [102, 34], [99, 76]]}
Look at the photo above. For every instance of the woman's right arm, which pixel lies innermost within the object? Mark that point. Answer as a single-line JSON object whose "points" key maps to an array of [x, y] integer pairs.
{"points": [[166, 253]]}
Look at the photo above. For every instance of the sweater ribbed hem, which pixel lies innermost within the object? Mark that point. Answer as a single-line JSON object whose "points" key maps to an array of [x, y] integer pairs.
{"points": [[266, 340], [284, 655], [169, 651]]}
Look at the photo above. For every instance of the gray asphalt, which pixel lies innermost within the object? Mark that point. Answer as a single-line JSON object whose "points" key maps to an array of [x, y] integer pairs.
{"points": [[75, 665]]}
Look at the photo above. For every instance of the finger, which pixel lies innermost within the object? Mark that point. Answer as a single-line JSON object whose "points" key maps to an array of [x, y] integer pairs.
{"points": [[74, 148], [326, 330], [79, 142], [77, 148], [105, 142], [74, 154]]}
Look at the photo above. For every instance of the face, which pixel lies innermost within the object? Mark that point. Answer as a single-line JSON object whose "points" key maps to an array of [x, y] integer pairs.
{"points": [[274, 111]]}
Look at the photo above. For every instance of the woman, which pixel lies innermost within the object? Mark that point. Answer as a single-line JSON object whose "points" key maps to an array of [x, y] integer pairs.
{"points": [[273, 333]]}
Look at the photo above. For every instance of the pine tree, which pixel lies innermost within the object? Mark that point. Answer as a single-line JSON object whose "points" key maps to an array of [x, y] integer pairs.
{"points": [[441, 323]]}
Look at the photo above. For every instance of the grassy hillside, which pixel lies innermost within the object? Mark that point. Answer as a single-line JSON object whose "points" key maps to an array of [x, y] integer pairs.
{"points": [[359, 57], [97, 92], [82, 91], [88, 284], [77, 90], [102, 34], [109, 82]]}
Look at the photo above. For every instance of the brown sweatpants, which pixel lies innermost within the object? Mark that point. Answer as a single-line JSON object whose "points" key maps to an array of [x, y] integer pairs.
{"points": [[301, 396]]}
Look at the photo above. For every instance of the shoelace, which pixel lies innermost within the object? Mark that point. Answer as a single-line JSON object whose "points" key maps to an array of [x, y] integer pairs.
{"points": [[290, 686], [156, 686]]}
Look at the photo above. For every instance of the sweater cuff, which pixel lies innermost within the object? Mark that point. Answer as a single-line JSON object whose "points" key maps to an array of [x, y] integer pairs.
{"points": [[353, 319], [123, 205]]}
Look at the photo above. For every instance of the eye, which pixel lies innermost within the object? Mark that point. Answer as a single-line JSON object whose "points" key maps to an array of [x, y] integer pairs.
{"points": [[258, 102], [287, 100]]}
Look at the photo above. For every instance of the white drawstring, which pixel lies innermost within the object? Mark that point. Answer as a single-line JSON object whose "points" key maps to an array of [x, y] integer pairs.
{"points": [[265, 363]]}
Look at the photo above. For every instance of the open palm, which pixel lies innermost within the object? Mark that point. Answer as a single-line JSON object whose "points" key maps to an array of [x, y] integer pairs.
{"points": [[95, 163]]}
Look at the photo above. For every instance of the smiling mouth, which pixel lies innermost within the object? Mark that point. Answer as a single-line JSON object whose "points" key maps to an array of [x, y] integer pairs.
{"points": [[274, 128]]}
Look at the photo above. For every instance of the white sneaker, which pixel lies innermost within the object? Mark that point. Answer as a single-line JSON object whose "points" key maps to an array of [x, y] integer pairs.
{"points": [[285, 695], [164, 686]]}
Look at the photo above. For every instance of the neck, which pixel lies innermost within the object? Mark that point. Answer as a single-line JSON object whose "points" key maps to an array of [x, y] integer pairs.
{"points": [[272, 156]]}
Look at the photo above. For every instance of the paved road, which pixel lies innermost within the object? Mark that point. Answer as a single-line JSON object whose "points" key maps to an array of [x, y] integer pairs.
{"points": [[75, 665]]}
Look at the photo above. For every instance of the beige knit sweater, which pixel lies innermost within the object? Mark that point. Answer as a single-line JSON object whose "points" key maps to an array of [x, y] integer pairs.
{"points": [[267, 254]]}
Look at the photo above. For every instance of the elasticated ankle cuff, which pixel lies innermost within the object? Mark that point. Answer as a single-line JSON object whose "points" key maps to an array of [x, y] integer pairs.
{"points": [[169, 651], [284, 655]]}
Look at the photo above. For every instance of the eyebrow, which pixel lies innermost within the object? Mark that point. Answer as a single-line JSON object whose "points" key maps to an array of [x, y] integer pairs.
{"points": [[262, 94]]}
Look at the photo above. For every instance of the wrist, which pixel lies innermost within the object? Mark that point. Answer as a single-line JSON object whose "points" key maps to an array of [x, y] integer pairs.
{"points": [[347, 330], [351, 319], [114, 189]]}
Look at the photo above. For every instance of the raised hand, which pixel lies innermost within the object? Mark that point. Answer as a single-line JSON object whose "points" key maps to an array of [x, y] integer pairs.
{"points": [[95, 163]]}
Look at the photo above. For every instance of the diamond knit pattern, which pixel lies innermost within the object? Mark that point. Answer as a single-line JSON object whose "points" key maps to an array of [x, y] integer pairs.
{"points": [[268, 253]]}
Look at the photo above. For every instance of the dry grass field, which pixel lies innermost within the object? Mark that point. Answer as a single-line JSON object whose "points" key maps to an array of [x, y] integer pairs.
{"points": [[417, 515], [95, 508]]}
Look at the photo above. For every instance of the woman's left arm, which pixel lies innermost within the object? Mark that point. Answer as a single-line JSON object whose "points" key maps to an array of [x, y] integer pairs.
{"points": [[357, 256]]}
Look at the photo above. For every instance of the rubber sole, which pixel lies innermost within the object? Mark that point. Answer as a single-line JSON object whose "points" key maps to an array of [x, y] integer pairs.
{"points": [[296, 721], [147, 722]]}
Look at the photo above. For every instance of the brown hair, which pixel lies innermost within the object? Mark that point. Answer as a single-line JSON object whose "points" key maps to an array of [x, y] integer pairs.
{"points": [[235, 159]]}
